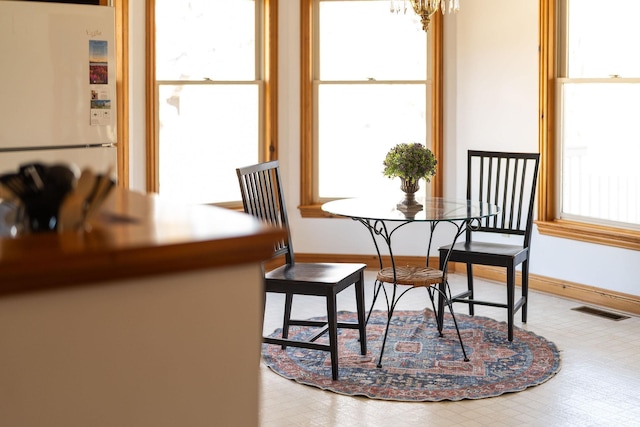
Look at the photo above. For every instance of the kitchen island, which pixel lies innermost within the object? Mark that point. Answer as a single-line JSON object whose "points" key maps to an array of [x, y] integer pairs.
{"points": [[152, 317]]}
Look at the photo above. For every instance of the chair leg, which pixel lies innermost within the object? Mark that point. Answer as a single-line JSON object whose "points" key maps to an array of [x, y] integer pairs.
{"points": [[390, 310], [377, 287], [362, 326], [430, 291], [455, 323], [442, 297], [332, 324], [384, 340], [287, 316], [264, 310], [470, 288], [511, 284], [525, 289]]}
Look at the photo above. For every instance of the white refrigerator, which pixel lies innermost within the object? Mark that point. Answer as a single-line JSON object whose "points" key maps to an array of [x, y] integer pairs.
{"points": [[57, 85]]}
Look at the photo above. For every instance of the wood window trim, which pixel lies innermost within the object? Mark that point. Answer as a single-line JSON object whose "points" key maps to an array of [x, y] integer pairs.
{"points": [[547, 222], [151, 100], [271, 79], [122, 90], [310, 207], [270, 127]]}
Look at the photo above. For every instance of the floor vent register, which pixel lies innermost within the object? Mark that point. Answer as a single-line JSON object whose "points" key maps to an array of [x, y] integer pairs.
{"points": [[600, 313]]}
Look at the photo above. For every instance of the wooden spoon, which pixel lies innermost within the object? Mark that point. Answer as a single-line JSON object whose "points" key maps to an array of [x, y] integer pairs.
{"points": [[73, 209]]}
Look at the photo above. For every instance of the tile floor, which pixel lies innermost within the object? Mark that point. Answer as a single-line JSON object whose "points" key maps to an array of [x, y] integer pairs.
{"points": [[598, 383]]}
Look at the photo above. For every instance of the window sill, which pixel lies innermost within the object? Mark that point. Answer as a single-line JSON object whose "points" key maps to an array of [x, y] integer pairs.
{"points": [[314, 211], [598, 234]]}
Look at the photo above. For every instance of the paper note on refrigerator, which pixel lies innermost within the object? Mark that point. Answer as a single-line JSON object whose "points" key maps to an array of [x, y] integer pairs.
{"points": [[98, 79]]}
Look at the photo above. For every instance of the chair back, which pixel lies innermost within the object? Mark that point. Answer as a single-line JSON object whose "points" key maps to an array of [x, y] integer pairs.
{"points": [[508, 180], [262, 197]]}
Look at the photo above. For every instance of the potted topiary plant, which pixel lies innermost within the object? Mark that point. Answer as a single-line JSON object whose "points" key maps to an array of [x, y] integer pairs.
{"points": [[410, 162]]}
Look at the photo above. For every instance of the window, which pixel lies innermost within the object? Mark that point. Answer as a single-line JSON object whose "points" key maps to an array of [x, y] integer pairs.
{"points": [[366, 78], [590, 132], [212, 94]]}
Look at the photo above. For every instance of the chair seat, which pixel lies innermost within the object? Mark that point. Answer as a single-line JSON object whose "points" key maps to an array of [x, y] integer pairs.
{"points": [[474, 248], [410, 275], [318, 273]]}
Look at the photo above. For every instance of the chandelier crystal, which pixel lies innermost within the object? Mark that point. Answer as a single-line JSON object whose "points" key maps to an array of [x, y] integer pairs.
{"points": [[425, 8]]}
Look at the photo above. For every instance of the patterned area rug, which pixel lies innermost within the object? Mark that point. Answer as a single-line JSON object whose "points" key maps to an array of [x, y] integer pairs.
{"points": [[418, 365]]}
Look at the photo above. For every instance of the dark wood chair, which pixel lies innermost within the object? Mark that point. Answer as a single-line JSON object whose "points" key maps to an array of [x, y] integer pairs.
{"points": [[509, 181], [262, 197]]}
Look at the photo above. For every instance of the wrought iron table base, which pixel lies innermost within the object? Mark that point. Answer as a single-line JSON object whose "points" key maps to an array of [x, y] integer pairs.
{"points": [[379, 228]]}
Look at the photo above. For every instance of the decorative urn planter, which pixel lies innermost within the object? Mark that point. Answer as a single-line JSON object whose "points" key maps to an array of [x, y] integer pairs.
{"points": [[410, 162], [409, 204]]}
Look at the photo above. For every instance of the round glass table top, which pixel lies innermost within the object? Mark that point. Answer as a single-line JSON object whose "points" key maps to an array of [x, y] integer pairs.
{"points": [[433, 209]]}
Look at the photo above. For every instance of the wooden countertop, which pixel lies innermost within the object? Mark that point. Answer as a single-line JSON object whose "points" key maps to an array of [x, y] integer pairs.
{"points": [[134, 235]]}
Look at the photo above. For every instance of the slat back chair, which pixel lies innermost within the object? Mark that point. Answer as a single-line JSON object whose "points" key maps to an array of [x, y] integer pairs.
{"points": [[508, 180], [262, 197]]}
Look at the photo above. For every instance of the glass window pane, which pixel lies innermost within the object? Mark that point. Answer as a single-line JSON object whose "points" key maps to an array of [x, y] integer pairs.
{"points": [[601, 148], [358, 125], [362, 40], [206, 132], [198, 39], [603, 38]]}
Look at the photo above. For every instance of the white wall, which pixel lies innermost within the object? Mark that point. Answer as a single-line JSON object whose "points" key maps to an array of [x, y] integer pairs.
{"points": [[491, 102]]}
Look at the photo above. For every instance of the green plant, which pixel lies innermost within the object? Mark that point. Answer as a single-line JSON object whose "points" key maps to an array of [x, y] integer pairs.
{"points": [[410, 161]]}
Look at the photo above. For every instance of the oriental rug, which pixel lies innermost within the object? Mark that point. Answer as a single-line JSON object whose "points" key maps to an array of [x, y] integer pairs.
{"points": [[418, 364]]}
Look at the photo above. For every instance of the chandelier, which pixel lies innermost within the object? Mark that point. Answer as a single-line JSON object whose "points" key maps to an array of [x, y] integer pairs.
{"points": [[425, 8]]}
